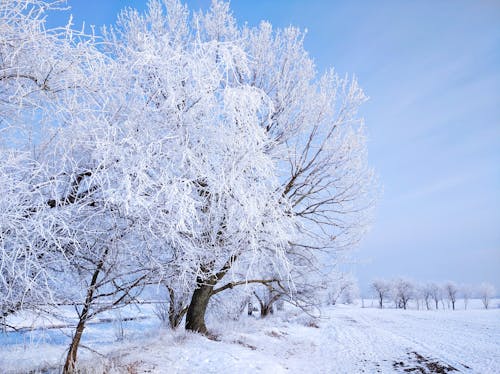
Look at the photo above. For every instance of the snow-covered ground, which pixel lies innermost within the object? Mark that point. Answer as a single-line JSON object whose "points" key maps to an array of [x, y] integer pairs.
{"points": [[346, 339]]}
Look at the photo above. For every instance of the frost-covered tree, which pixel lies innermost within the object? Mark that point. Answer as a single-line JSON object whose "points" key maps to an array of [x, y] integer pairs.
{"points": [[382, 290], [436, 294], [180, 150], [451, 290], [41, 72], [351, 294], [343, 288], [68, 233], [427, 292], [486, 293], [418, 296], [189, 84], [83, 177], [230, 304], [315, 136], [266, 297], [403, 291], [267, 148]]}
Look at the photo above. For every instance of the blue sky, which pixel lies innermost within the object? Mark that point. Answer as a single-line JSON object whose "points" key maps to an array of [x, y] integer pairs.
{"points": [[432, 72]]}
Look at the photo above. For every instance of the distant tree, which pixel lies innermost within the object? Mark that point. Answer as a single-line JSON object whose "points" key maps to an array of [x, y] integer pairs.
{"points": [[436, 293], [403, 291], [426, 291], [466, 293], [418, 296], [382, 289], [351, 292], [342, 288], [231, 304], [451, 291], [486, 292], [267, 296]]}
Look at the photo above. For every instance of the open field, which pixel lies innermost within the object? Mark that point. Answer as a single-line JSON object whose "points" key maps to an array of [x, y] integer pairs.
{"points": [[346, 339]]}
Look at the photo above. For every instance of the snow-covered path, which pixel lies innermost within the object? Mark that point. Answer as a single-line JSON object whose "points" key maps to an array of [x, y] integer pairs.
{"points": [[394, 340], [345, 340]]}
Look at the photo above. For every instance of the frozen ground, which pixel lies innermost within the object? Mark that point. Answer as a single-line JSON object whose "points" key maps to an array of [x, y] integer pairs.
{"points": [[347, 339]]}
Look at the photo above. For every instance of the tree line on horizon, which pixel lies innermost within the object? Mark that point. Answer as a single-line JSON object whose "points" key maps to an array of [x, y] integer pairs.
{"points": [[431, 295]]}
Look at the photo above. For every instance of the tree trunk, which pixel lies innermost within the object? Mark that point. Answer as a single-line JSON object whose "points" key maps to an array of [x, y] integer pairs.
{"points": [[266, 309], [195, 316], [249, 308], [176, 311], [69, 365], [175, 317]]}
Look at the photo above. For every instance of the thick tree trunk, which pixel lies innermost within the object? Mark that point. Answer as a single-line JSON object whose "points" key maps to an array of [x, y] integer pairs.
{"points": [[195, 316]]}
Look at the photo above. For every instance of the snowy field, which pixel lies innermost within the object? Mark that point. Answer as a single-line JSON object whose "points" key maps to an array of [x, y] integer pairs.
{"points": [[346, 339]]}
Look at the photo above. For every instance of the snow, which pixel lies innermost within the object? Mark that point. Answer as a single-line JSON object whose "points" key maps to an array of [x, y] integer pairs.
{"points": [[346, 339]]}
